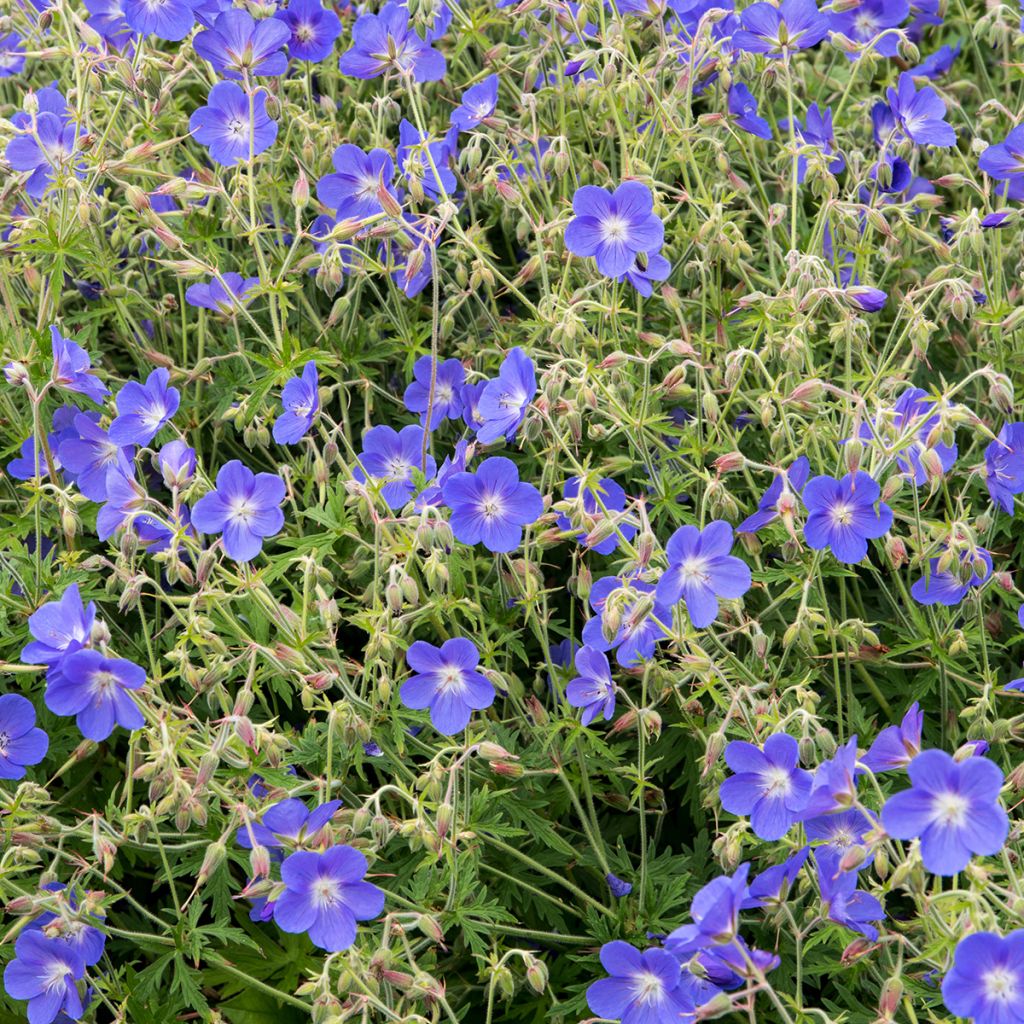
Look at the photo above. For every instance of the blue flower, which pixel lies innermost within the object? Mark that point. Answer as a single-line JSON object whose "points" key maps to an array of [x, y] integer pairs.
{"points": [[614, 227], [289, 820], [1004, 466], [986, 983], [177, 463], [937, 64], [425, 162], [44, 972], [389, 458], [630, 612], [354, 190], [743, 107], [90, 454], [643, 988], [228, 128], [779, 501], [593, 689], [839, 832], [46, 143], [478, 103], [106, 17], [778, 31], [244, 507], [772, 885], [59, 628], [492, 505], [701, 570], [618, 888], [325, 895], [834, 787], [842, 515], [767, 784], [385, 42], [952, 807], [222, 294], [846, 904], [896, 745], [600, 502], [447, 400], [1004, 160], [301, 400], [85, 939], [504, 401], [125, 499], [72, 368], [920, 114], [816, 130], [867, 23], [95, 688], [165, 19], [715, 911], [12, 57], [313, 28], [240, 47], [31, 462], [21, 743], [949, 587], [647, 268], [446, 682], [144, 409]]}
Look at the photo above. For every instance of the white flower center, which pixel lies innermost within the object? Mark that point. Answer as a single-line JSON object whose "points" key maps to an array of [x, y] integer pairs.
{"points": [[55, 974], [615, 228], [491, 507], [325, 892], [304, 32], [842, 515], [4, 740], [243, 510], [647, 988], [951, 809], [397, 468], [776, 782], [694, 570], [1000, 985], [450, 679], [238, 128], [103, 683]]}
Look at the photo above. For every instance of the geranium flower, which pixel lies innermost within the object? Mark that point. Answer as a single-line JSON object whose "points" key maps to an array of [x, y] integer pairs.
{"points": [[446, 682]]}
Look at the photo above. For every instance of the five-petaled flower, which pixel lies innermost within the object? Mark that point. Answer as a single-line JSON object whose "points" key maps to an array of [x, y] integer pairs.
{"points": [[325, 895], [841, 515], [614, 227], [389, 458], [301, 400], [767, 784], [952, 807], [986, 983], [244, 507], [446, 682], [94, 688], [21, 743], [492, 505], [386, 42]]}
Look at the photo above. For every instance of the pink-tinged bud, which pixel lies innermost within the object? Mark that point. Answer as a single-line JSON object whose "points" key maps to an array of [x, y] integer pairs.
{"points": [[853, 857], [245, 731], [615, 359], [855, 950], [494, 752], [897, 550], [890, 999], [507, 769], [166, 236], [508, 192], [215, 854], [731, 462], [137, 199], [20, 905], [717, 1007], [624, 722], [1004, 581], [430, 927], [807, 391], [399, 979], [259, 862], [300, 191]]}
